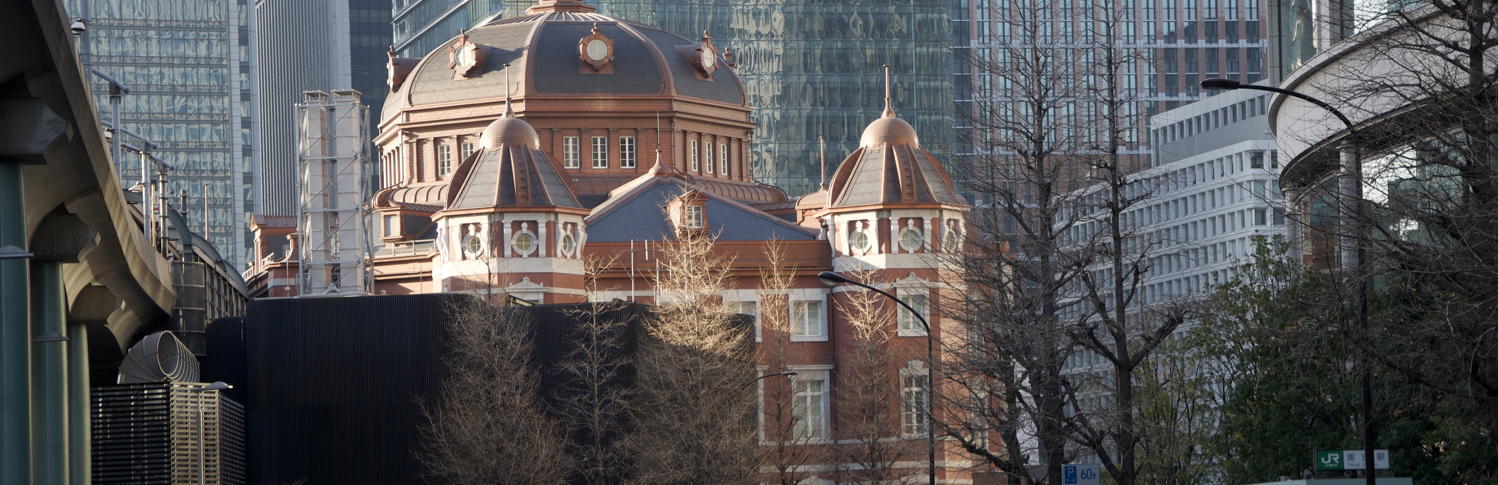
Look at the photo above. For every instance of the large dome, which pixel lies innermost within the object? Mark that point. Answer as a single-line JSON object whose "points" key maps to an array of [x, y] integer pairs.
{"points": [[546, 55]]}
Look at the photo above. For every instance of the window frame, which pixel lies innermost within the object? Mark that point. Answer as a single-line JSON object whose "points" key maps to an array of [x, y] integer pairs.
{"points": [[599, 156], [723, 159], [906, 325], [754, 312], [914, 378], [693, 217], [695, 163], [572, 152], [819, 321], [465, 150], [628, 152], [444, 159], [707, 157], [823, 425]]}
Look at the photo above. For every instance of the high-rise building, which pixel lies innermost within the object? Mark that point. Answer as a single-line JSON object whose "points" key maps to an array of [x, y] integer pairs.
{"points": [[1176, 44], [310, 45], [811, 68], [420, 26], [187, 64]]}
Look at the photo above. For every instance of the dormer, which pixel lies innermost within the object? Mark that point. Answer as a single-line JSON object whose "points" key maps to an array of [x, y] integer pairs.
{"points": [[688, 212]]}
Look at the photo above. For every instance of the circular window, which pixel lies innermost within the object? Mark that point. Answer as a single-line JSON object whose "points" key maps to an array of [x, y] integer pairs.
{"points": [[952, 239], [597, 50], [910, 239], [523, 243], [569, 244], [859, 241], [473, 247]]}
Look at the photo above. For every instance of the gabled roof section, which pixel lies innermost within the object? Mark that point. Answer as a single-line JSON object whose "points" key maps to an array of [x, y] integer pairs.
{"points": [[637, 212]]}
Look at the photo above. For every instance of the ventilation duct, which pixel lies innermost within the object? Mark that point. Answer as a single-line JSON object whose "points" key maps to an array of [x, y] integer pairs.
{"points": [[159, 357]]}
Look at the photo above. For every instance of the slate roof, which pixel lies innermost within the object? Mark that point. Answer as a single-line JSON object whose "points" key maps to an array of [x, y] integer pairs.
{"points": [[542, 52], [509, 176], [637, 212]]}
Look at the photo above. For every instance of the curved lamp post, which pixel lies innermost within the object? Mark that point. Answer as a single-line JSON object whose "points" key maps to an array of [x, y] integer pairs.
{"points": [[778, 374], [833, 279], [1351, 187]]}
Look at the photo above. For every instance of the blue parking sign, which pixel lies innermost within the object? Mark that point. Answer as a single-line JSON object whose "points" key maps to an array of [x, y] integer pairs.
{"points": [[1080, 474]]}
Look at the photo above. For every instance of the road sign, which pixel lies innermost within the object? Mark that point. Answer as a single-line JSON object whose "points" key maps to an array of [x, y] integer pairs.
{"points": [[1081, 474], [1350, 460]]}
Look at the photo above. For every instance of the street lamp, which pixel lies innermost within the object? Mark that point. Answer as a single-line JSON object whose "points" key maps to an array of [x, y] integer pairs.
{"points": [[832, 279], [215, 386], [778, 374], [1351, 187]]}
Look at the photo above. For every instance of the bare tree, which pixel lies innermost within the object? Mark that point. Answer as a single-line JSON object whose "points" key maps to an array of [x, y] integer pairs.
{"points": [[789, 441], [593, 397], [1116, 325], [694, 408], [869, 390], [1003, 374], [487, 426]]}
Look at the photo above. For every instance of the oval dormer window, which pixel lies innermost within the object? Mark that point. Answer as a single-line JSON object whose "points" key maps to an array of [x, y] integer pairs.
{"points": [[568, 244]]}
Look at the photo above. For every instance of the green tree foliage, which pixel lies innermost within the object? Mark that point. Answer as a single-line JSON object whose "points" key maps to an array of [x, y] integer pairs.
{"points": [[1279, 345]]}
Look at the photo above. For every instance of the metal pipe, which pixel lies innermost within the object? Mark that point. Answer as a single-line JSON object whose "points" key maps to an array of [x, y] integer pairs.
{"points": [[15, 334], [146, 201], [49, 396]]}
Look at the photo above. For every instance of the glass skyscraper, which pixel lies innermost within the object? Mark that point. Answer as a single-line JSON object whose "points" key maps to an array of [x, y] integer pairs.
{"points": [[187, 64], [1178, 43], [422, 25], [307, 45], [812, 68]]}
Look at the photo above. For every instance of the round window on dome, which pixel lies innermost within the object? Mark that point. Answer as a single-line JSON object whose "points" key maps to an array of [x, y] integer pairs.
{"points": [[524, 243], [910, 239], [569, 244], [859, 241]]}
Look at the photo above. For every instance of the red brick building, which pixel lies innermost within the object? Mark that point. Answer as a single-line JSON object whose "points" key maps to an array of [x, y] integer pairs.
{"points": [[523, 148]]}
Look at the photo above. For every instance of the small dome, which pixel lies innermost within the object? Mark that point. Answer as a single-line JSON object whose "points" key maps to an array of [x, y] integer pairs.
{"points": [[509, 131], [889, 130]]}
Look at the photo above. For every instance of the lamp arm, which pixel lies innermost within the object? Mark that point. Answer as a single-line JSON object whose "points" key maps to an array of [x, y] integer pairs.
{"points": [[924, 324]]}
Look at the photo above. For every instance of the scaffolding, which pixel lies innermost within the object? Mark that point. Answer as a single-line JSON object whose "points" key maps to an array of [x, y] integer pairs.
{"points": [[333, 157]]}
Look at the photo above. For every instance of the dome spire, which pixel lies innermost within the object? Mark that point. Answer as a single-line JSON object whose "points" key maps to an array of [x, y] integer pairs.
{"points": [[889, 103], [822, 182], [509, 101]]}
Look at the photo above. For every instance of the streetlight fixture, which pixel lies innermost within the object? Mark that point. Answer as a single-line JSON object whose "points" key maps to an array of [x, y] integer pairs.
{"points": [[215, 386], [833, 279], [778, 374], [1351, 188]]}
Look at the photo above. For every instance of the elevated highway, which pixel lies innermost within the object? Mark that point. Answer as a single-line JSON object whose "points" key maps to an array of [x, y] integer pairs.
{"points": [[79, 281]]}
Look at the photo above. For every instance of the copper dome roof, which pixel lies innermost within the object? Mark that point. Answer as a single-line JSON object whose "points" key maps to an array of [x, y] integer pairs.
{"points": [[542, 52], [890, 167], [508, 130]]}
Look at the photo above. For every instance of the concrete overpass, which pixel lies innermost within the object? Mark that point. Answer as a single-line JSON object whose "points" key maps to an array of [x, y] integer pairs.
{"points": [[79, 281]]}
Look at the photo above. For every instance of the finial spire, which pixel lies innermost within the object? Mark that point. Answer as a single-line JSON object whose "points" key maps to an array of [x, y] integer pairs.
{"points": [[509, 102], [889, 103], [823, 144], [656, 169]]}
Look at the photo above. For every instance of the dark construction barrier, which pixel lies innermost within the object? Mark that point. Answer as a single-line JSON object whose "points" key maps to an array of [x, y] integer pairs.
{"points": [[331, 385]]}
